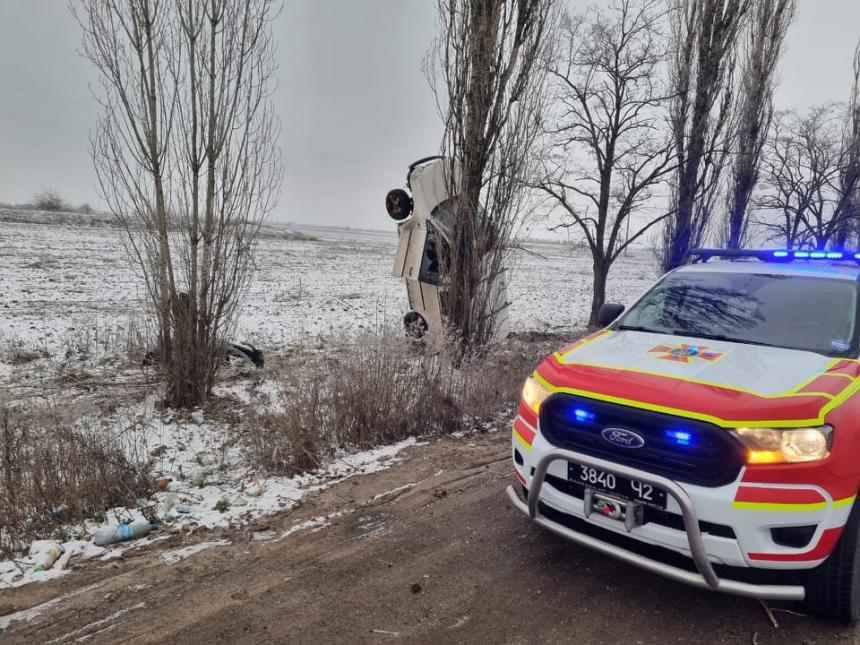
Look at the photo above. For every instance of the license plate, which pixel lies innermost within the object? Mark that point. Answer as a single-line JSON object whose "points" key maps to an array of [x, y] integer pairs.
{"points": [[621, 487]]}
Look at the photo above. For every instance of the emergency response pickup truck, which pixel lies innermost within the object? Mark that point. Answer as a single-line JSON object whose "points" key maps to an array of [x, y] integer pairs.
{"points": [[711, 432]]}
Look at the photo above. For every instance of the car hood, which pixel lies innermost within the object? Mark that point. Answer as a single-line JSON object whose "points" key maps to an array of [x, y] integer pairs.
{"points": [[730, 384]]}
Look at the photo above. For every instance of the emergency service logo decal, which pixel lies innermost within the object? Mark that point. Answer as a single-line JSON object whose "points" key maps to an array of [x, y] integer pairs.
{"points": [[684, 353]]}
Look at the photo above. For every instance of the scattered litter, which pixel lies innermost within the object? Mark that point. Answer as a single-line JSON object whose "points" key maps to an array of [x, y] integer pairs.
{"points": [[46, 552], [122, 532], [254, 488], [415, 588], [383, 631], [276, 494], [169, 502]]}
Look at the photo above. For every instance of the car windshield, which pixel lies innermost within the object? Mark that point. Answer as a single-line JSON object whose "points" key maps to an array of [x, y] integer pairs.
{"points": [[809, 313]]}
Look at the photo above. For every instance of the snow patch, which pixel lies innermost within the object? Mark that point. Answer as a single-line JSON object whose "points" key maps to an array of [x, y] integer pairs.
{"points": [[172, 557], [27, 615]]}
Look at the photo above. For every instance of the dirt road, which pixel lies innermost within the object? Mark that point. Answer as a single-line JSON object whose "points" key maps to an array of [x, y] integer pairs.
{"points": [[426, 552]]}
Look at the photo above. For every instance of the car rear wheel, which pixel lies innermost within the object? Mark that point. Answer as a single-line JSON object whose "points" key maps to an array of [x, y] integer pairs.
{"points": [[833, 587]]}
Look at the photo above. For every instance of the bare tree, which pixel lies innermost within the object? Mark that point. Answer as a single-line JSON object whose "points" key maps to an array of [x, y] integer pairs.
{"points": [[487, 60], [186, 156], [705, 35], [763, 46], [803, 164], [607, 147], [849, 184], [49, 199]]}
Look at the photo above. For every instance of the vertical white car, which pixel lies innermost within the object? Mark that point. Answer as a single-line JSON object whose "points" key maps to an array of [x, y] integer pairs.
{"points": [[424, 220]]}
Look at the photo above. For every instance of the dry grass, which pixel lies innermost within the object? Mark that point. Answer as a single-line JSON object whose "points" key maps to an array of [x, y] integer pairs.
{"points": [[50, 461], [69, 439], [18, 353], [379, 388]]}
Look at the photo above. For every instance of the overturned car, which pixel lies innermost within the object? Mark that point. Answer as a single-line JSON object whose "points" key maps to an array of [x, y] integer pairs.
{"points": [[424, 214]]}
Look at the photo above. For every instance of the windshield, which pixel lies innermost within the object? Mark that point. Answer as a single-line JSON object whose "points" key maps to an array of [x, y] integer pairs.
{"points": [[798, 312]]}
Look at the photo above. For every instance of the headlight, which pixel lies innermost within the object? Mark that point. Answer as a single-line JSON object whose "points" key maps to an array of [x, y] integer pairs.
{"points": [[785, 446], [534, 394]]}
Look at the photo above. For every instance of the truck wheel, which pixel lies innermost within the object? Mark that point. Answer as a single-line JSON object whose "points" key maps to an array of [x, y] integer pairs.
{"points": [[398, 204], [833, 587]]}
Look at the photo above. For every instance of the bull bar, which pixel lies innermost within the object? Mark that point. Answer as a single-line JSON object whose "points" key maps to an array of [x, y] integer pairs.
{"points": [[706, 578]]}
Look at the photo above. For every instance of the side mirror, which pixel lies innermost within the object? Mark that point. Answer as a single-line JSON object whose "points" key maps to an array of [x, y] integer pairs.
{"points": [[608, 312]]}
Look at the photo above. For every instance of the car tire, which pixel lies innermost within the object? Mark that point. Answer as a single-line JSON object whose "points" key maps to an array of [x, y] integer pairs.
{"points": [[398, 204], [414, 325], [833, 587]]}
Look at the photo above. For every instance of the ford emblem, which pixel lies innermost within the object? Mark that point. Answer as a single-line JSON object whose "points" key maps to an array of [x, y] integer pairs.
{"points": [[622, 438]]}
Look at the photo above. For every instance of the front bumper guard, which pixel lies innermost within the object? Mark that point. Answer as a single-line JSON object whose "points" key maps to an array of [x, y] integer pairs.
{"points": [[705, 579]]}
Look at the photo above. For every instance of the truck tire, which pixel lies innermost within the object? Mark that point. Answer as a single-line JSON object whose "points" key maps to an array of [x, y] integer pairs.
{"points": [[398, 204], [833, 587]]}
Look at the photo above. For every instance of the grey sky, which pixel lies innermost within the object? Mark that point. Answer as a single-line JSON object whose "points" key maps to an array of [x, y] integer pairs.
{"points": [[354, 105]]}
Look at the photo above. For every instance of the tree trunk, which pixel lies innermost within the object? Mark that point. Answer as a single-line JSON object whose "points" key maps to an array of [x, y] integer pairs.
{"points": [[601, 271]]}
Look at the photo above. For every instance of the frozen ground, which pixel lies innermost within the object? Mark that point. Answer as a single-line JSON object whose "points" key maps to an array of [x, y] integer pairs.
{"points": [[66, 284], [65, 281]]}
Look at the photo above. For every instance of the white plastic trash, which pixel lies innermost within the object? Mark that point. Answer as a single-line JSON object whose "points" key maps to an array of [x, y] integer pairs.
{"points": [[46, 553]]}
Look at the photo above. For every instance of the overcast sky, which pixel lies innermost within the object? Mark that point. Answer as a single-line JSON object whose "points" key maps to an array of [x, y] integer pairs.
{"points": [[354, 104]]}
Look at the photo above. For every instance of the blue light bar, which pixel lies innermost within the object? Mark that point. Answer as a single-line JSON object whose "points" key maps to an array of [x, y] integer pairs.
{"points": [[770, 255], [680, 437], [583, 415]]}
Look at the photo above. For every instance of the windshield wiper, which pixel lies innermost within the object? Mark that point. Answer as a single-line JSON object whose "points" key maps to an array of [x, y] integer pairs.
{"points": [[647, 330], [723, 337]]}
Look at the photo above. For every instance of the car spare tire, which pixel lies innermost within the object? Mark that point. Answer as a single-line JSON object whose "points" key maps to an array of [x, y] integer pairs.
{"points": [[398, 204]]}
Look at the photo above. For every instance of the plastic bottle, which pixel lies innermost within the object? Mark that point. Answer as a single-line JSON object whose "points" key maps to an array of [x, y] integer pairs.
{"points": [[169, 502], [48, 553], [110, 534]]}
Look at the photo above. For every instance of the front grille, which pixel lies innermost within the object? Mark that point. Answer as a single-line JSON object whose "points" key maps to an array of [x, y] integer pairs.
{"points": [[683, 450]]}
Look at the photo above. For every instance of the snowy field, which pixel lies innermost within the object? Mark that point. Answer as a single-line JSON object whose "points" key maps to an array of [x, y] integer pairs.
{"points": [[64, 281], [68, 285]]}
